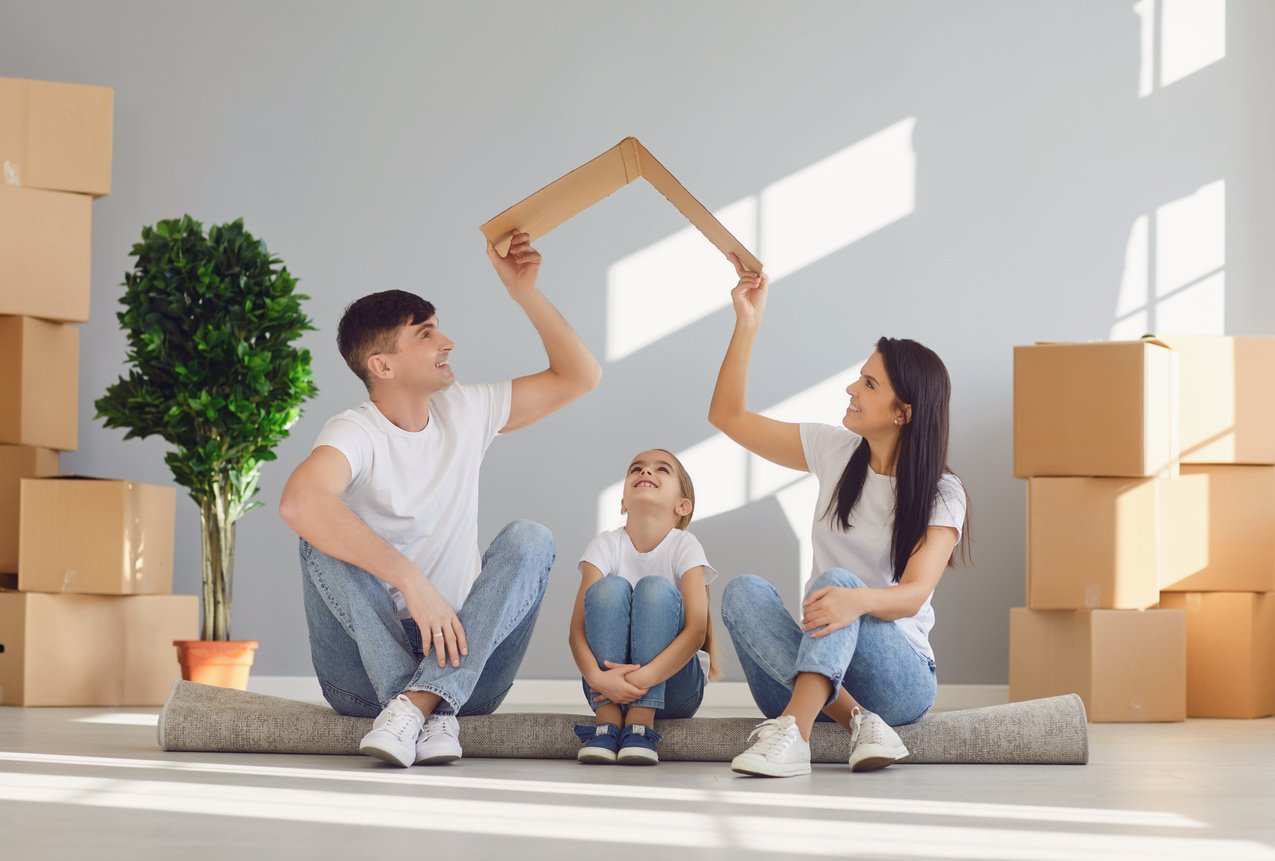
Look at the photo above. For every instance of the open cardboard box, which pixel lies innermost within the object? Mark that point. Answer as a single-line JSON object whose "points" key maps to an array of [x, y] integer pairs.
{"points": [[56, 136], [603, 176]]}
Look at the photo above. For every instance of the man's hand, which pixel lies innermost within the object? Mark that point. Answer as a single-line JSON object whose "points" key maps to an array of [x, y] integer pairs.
{"points": [[830, 609], [519, 268], [435, 617], [613, 684], [749, 295]]}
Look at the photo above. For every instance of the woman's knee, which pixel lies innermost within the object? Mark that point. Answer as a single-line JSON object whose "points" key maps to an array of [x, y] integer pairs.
{"points": [[837, 577], [530, 536], [744, 594]]}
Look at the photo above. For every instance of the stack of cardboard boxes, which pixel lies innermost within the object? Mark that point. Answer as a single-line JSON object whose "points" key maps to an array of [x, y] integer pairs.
{"points": [[91, 621], [1150, 470]]}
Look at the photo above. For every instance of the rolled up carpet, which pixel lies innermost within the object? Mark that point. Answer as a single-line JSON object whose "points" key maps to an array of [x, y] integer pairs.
{"points": [[198, 717]]}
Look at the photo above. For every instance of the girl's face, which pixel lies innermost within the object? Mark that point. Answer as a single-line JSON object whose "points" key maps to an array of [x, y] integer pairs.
{"points": [[652, 484], [873, 407]]}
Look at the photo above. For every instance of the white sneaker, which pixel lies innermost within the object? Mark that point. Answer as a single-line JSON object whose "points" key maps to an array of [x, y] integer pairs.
{"points": [[439, 740], [394, 733], [779, 751], [873, 743]]}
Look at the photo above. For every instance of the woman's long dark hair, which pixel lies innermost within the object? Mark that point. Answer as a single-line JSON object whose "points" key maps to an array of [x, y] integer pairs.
{"points": [[920, 380]]}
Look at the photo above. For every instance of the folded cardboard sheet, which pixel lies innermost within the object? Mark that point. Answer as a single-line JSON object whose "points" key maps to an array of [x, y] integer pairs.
{"points": [[603, 176]]}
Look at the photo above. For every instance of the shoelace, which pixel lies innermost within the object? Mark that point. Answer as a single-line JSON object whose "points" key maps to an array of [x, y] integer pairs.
{"points": [[770, 738], [866, 730], [400, 724], [436, 725]]}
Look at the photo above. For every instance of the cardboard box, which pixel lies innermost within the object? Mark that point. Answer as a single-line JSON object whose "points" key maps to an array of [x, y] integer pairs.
{"points": [[603, 176], [1111, 543], [39, 383], [87, 650], [16, 463], [1127, 665], [1227, 388], [56, 136], [1241, 531], [46, 240], [1100, 409], [96, 537], [1230, 652]]}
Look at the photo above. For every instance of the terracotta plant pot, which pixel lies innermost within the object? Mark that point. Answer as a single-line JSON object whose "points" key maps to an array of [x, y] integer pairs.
{"points": [[223, 663]]}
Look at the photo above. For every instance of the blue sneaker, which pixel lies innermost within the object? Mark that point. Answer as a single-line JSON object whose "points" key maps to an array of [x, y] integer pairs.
{"points": [[637, 745], [601, 744]]}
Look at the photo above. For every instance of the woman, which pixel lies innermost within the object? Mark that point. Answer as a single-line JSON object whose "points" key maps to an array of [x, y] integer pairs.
{"points": [[886, 526]]}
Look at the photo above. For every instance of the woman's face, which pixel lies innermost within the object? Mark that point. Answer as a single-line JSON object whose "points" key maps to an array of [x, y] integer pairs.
{"points": [[873, 406]]}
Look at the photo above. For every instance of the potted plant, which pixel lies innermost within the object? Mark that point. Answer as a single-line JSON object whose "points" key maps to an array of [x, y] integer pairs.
{"points": [[211, 322]]}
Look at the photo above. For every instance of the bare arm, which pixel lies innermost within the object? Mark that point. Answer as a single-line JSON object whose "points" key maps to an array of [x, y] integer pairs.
{"points": [[688, 641], [312, 505], [778, 442], [834, 607], [572, 370]]}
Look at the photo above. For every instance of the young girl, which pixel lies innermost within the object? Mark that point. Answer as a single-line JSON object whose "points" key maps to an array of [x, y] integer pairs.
{"points": [[885, 527], [641, 633]]}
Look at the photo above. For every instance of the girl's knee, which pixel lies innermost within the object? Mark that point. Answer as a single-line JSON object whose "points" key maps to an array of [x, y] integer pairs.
{"points": [[655, 590], [609, 591]]}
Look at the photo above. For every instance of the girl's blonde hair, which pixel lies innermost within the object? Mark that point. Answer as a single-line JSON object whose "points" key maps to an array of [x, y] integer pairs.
{"points": [[688, 491]]}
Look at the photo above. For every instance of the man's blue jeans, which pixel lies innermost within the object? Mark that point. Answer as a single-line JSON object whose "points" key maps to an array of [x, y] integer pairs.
{"points": [[627, 624], [364, 655], [870, 658]]}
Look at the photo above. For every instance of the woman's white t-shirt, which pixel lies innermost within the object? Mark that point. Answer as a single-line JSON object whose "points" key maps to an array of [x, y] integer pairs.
{"points": [[614, 555], [864, 549], [418, 490]]}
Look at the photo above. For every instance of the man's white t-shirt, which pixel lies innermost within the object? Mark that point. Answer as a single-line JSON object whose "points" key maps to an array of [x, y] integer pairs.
{"points": [[864, 549], [614, 555], [419, 490]]}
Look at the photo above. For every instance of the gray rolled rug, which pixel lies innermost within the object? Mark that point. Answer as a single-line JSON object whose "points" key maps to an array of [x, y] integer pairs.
{"points": [[197, 717]]}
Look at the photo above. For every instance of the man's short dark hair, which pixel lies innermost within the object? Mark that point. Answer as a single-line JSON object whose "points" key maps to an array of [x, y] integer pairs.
{"points": [[370, 325]]}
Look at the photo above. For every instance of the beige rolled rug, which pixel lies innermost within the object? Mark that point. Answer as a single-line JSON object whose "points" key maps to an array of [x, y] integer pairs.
{"points": [[197, 717]]}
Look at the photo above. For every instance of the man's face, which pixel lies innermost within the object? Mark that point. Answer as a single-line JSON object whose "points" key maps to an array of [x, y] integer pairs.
{"points": [[422, 360]]}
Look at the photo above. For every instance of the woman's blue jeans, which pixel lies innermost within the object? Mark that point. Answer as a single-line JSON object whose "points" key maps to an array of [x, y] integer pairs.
{"points": [[627, 624], [870, 658], [364, 655]]}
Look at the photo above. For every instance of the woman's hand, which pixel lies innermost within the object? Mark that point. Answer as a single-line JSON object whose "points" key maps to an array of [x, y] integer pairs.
{"points": [[749, 295], [830, 609], [614, 684]]}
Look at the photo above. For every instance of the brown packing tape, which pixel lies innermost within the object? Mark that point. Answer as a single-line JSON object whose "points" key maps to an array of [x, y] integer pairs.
{"points": [[580, 189]]}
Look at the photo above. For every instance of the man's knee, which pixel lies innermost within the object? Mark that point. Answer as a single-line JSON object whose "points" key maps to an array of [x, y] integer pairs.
{"points": [[530, 537], [838, 577]]}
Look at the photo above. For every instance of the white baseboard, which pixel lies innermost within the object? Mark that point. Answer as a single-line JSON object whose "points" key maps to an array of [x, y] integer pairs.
{"points": [[565, 695]]}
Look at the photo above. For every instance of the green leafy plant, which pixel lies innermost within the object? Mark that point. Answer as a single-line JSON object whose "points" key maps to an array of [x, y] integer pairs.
{"points": [[211, 321]]}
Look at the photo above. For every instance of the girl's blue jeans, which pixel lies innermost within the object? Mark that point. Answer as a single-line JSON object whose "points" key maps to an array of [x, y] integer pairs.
{"points": [[628, 624], [870, 658], [365, 655]]}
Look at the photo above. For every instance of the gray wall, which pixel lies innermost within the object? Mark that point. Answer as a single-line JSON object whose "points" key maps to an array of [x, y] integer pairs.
{"points": [[367, 142]]}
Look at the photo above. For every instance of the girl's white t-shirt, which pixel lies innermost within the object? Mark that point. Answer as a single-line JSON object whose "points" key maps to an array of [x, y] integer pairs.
{"points": [[614, 555], [418, 490], [864, 549]]}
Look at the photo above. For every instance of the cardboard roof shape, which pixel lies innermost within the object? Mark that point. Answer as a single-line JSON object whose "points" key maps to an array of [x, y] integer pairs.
{"points": [[591, 182]]}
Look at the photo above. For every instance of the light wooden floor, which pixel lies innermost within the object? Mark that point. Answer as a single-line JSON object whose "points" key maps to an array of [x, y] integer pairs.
{"points": [[91, 783]]}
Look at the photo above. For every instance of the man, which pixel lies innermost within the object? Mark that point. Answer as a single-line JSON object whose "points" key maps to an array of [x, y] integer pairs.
{"points": [[407, 623]]}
